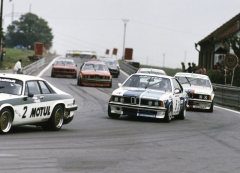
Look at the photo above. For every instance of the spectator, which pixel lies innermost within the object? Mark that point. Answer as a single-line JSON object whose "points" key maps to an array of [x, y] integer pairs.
{"points": [[18, 67], [183, 67], [189, 69], [204, 71], [194, 68], [3, 52], [200, 70]]}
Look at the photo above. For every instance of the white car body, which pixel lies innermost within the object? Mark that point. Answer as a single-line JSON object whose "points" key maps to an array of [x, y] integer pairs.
{"points": [[147, 98], [30, 100], [201, 95]]}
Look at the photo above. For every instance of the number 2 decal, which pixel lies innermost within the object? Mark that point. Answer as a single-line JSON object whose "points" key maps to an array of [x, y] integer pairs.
{"points": [[25, 108]]}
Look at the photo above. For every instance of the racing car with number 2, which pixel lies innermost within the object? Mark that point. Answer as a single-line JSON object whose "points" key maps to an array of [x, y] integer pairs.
{"points": [[30, 100]]}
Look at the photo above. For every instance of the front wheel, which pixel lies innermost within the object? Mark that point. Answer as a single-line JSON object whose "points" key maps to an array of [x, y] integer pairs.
{"points": [[5, 120], [56, 121], [182, 114], [112, 115], [168, 114]]}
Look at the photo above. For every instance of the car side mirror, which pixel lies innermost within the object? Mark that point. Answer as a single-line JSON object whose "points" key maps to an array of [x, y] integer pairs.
{"points": [[119, 84], [177, 91], [30, 94]]}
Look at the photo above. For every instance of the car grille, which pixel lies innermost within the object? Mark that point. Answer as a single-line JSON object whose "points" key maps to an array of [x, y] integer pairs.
{"points": [[199, 96], [95, 77], [64, 70]]}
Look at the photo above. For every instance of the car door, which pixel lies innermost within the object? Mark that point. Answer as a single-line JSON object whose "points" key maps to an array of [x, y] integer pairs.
{"points": [[177, 94], [36, 108]]}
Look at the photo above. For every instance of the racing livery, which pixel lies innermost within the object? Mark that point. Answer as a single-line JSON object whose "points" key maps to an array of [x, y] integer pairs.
{"points": [[64, 67], [199, 89], [94, 73], [30, 100], [149, 95]]}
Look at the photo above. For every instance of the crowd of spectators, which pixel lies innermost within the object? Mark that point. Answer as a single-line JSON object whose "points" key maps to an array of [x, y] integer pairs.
{"points": [[193, 68]]}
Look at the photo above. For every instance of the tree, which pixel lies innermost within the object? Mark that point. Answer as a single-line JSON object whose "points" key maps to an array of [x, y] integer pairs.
{"points": [[29, 29], [235, 44]]}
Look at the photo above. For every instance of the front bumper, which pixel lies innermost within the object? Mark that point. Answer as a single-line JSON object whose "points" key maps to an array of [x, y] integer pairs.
{"points": [[199, 104], [137, 110], [96, 82]]}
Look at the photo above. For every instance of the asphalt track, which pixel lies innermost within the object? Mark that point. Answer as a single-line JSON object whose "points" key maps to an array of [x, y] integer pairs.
{"points": [[93, 143]]}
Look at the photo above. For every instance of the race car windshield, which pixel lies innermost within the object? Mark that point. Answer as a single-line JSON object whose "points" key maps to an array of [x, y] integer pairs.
{"points": [[194, 81], [11, 86], [149, 82]]}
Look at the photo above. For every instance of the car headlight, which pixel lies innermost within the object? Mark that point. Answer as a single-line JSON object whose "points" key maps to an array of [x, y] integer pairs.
{"points": [[150, 103], [156, 103], [116, 99], [122, 99]]}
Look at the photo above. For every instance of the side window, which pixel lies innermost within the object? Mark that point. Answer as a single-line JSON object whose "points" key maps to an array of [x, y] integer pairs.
{"points": [[33, 87], [176, 85], [26, 90], [44, 88]]}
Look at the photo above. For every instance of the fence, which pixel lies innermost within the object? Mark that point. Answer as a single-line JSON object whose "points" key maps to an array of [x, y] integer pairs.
{"points": [[228, 96], [33, 66]]}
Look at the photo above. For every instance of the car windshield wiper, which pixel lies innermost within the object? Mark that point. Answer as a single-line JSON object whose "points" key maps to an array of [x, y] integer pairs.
{"points": [[148, 82], [93, 66], [2, 87], [188, 81]]}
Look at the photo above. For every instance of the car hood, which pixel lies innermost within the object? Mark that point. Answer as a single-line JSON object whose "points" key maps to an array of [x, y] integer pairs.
{"points": [[113, 67], [93, 72], [64, 67], [197, 89], [4, 96], [142, 93]]}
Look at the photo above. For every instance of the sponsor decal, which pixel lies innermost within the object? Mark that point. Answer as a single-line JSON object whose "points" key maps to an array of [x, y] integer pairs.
{"points": [[190, 91], [7, 80], [133, 93], [40, 111]]}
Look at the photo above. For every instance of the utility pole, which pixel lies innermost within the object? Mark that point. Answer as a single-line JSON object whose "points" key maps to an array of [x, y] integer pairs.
{"points": [[1, 18], [12, 12], [125, 24]]}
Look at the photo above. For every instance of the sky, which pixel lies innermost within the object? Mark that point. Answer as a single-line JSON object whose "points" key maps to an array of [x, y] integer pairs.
{"points": [[161, 33]]}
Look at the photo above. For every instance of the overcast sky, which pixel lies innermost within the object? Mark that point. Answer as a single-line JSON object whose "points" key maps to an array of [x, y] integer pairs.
{"points": [[161, 32]]}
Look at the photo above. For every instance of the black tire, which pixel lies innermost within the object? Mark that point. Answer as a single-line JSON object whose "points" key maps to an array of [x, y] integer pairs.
{"points": [[168, 114], [211, 108], [112, 115], [79, 82], [110, 86], [56, 121], [5, 120], [182, 114]]}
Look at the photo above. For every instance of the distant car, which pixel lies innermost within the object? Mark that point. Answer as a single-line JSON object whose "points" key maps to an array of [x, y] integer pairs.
{"points": [[151, 71], [20, 47], [30, 100], [113, 67], [149, 95], [94, 73], [64, 67], [88, 54], [73, 53], [199, 89]]}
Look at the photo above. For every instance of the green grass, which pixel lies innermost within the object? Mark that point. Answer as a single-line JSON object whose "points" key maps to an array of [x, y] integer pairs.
{"points": [[169, 71], [13, 55]]}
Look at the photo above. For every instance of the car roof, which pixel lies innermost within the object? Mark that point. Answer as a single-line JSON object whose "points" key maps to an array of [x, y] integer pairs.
{"points": [[194, 75], [19, 76], [94, 62], [157, 75], [151, 69]]}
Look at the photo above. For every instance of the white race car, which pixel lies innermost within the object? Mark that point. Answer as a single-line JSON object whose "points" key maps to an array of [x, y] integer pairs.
{"points": [[149, 95], [30, 100], [199, 88]]}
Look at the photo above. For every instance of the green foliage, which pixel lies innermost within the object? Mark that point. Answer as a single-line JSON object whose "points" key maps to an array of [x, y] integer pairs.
{"points": [[169, 71], [13, 55], [216, 76], [28, 30], [2, 34]]}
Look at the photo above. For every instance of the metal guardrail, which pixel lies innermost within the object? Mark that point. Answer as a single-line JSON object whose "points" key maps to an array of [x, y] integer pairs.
{"points": [[129, 69], [228, 96], [33, 66]]}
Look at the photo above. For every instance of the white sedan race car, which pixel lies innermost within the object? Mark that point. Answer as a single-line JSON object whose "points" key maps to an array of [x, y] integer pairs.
{"points": [[30, 100], [149, 95], [199, 88]]}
